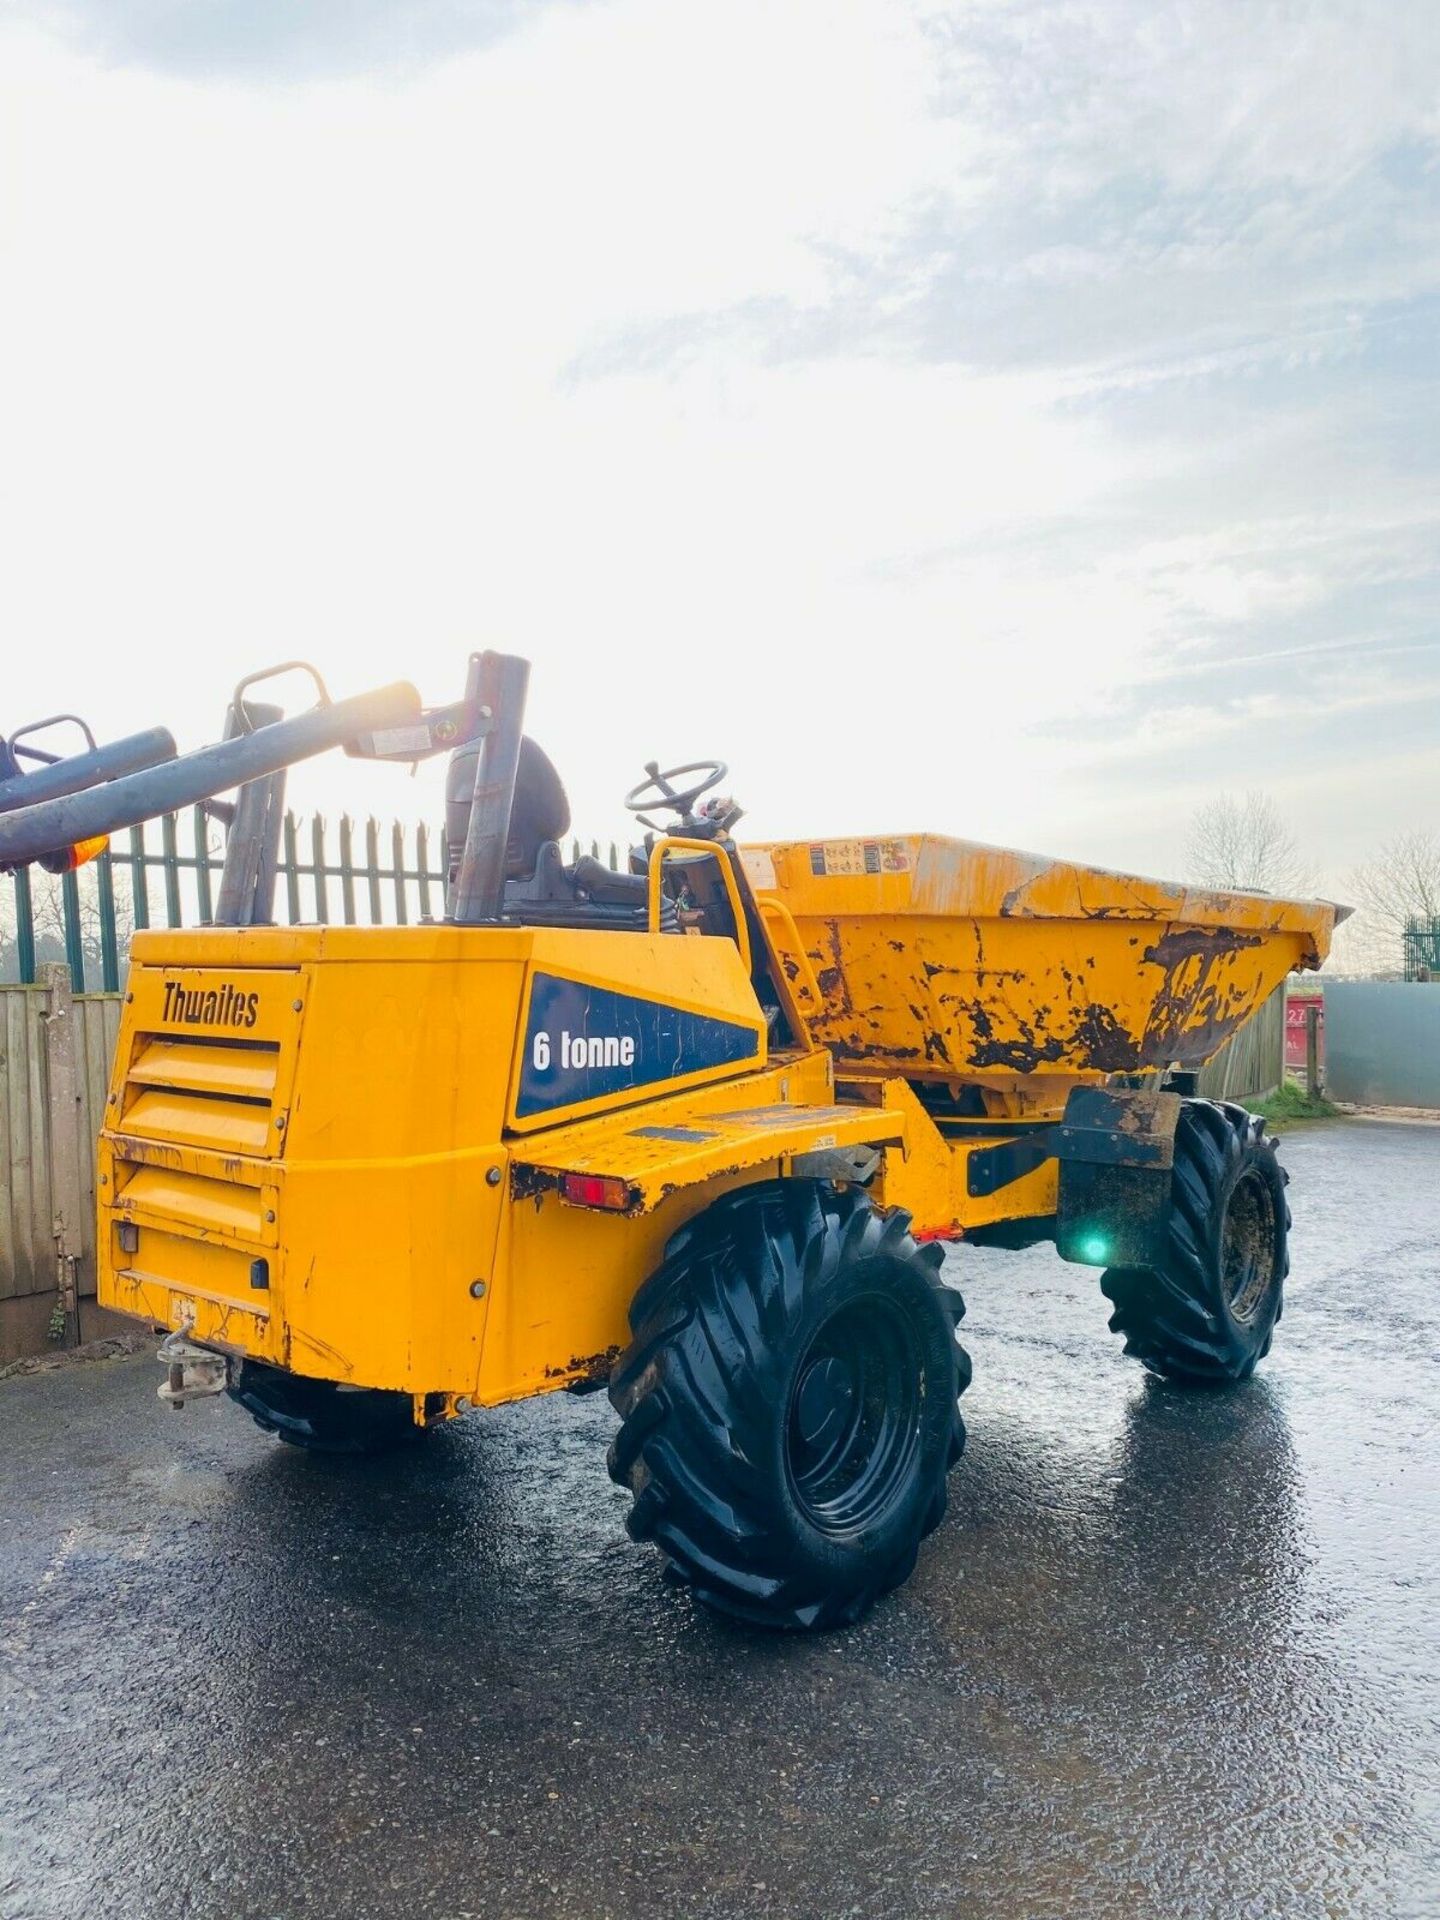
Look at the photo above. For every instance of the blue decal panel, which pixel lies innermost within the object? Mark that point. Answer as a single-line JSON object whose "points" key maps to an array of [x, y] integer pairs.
{"points": [[584, 1043]]}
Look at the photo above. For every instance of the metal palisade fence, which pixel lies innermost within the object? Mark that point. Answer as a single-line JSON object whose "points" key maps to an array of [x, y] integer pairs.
{"points": [[357, 874], [1422, 949]]}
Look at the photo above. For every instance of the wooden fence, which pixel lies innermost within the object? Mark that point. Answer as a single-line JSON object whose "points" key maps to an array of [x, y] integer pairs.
{"points": [[55, 1052], [1253, 1063]]}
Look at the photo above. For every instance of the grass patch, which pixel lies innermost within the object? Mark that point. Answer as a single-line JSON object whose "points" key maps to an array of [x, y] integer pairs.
{"points": [[1291, 1102]]}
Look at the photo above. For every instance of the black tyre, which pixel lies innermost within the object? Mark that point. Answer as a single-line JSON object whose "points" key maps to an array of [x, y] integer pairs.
{"points": [[1208, 1315], [320, 1415], [788, 1404]]}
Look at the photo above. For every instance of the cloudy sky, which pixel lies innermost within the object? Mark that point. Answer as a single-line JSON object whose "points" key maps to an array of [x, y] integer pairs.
{"points": [[1012, 418]]}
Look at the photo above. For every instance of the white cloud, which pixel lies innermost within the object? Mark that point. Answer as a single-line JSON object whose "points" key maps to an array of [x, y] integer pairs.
{"points": [[856, 392]]}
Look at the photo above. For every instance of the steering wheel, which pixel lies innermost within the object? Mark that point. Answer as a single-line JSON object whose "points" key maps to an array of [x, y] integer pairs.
{"points": [[658, 789]]}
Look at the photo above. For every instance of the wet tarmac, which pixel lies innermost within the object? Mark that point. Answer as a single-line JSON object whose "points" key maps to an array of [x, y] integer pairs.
{"points": [[1169, 1654]]}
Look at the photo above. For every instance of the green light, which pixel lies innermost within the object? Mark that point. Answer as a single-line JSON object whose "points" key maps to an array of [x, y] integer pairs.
{"points": [[1094, 1250]]}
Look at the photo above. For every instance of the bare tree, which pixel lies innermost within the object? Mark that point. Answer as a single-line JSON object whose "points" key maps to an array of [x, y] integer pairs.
{"points": [[1400, 885], [47, 896], [1245, 843], [9, 957]]}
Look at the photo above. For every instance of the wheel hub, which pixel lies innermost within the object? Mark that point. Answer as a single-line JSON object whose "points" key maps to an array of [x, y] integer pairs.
{"points": [[853, 1419], [824, 1401], [1247, 1246]]}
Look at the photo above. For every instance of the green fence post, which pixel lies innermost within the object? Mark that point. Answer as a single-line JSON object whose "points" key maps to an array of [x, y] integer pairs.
{"points": [[347, 869], [397, 867], [317, 849], [422, 867], [170, 858], [24, 927], [200, 826], [372, 868], [292, 870], [109, 940], [74, 947], [139, 879]]}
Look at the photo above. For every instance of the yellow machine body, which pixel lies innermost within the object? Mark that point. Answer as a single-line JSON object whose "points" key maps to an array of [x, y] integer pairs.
{"points": [[319, 1149], [945, 960], [443, 1159]]}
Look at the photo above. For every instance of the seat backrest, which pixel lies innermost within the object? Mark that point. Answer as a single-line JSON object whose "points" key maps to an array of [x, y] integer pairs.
{"points": [[541, 811]]}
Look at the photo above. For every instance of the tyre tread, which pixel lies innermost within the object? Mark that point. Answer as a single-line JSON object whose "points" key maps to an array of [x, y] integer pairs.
{"points": [[706, 1327], [1173, 1318]]}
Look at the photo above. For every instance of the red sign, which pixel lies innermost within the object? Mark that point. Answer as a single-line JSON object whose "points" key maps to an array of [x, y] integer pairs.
{"points": [[1296, 1016]]}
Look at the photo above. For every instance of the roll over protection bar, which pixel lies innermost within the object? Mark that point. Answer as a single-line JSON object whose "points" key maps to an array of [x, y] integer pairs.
{"points": [[27, 832], [496, 690], [76, 771], [92, 794]]}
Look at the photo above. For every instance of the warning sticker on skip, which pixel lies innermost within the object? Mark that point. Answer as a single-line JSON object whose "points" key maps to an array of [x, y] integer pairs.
{"points": [[847, 858]]}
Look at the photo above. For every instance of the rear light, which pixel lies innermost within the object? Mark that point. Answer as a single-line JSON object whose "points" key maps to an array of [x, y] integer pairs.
{"points": [[595, 1190], [66, 859], [128, 1234]]}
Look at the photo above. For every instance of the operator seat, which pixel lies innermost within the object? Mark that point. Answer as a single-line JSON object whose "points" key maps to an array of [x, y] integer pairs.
{"points": [[541, 811], [540, 890]]}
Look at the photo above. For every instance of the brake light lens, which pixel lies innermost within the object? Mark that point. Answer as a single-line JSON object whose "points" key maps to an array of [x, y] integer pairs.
{"points": [[595, 1190]]}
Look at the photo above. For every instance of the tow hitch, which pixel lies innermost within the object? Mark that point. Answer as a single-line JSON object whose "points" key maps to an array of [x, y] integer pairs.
{"points": [[191, 1372]]}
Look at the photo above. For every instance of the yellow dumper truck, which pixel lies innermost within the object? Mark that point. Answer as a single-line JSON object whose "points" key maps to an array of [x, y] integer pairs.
{"points": [[698, 1132]]}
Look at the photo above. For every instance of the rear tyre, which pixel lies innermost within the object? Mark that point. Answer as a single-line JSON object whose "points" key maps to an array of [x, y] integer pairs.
{"points": [[1208, 1313], [788, 1404], [321, 1416]]}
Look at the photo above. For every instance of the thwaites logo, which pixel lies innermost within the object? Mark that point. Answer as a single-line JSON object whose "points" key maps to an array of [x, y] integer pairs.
{"points": [[225, 1006]]}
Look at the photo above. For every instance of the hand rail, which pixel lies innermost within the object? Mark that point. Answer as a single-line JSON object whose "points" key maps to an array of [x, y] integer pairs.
{"points": [[727, 873], [792, 973]]}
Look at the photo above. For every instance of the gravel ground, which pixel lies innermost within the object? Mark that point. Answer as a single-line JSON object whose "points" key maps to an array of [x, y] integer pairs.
{"points": [[1169, 1654]]}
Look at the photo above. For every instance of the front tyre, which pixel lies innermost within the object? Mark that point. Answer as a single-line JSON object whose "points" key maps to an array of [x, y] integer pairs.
{"points": [[1207, 1313], [319, 1415], [788, 1404]]}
